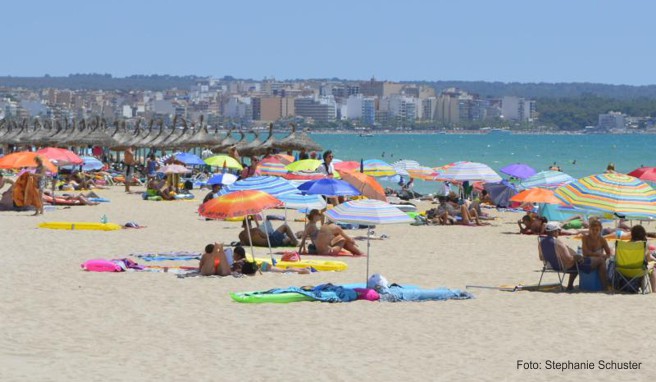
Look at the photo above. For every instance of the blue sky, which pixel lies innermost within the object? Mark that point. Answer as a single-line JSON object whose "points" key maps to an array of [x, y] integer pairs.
{"points": [[599, 41]]}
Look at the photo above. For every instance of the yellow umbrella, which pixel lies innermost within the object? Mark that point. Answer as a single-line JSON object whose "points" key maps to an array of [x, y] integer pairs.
{"points": [[224, 160], [304, 165]]}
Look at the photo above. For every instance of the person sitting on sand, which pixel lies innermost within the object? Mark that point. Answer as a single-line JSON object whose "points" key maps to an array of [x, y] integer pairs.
{"points": [[568, 259], [214, 261], [441, 215], [331, 239], [212, 194], [279, 237], [311, 231], [456, 208]]}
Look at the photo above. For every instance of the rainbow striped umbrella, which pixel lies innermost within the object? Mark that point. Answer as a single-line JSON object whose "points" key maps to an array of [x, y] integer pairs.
{"points": [[377, 167], [272, 185], [238, 203], [271, 167], [471, 171], [297, 201], [611, 193], [546, 179], [401, 167], [367, 212]]}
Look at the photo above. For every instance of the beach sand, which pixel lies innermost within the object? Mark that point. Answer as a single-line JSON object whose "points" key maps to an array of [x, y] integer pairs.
{"points": [[60, 323]]}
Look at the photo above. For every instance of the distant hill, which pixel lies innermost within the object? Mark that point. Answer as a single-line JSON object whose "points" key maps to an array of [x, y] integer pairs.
{"points": [[548, 90], [101, 82]]}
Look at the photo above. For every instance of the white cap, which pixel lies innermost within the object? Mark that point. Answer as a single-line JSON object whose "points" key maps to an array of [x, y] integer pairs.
{"points": [[552, 226]]}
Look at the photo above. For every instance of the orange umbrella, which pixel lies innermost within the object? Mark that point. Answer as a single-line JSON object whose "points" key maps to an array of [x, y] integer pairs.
{"points": [[536, 195], [367, 185], [61, 157], [347, 166], [239, 203], [25, 159]]}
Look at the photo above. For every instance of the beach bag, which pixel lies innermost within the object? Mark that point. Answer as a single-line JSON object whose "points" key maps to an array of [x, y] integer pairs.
{"points": [[101, 265]]}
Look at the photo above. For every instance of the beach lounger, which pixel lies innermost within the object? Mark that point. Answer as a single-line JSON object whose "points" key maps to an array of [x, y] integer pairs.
{"points": [[551, 263], [631, 271]]}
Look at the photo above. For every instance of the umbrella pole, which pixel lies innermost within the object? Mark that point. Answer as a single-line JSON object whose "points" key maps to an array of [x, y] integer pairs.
{"points": [[250, 239], [368, 245]]}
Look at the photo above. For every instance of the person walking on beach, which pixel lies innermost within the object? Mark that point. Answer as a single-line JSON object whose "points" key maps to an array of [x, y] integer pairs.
{"points": [[128, 160], [40, 181]]}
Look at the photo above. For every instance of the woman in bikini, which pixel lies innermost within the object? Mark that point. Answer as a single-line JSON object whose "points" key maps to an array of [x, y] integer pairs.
{"points": [[595, 245], [311, 231]]}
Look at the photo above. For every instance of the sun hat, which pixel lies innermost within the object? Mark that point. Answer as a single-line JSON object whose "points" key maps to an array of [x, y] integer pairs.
{"points": [[552, 226], [377, 280]]}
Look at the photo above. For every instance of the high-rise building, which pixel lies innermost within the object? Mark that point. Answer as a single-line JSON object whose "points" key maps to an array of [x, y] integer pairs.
{"points": [[517, 109], [323, 111]]}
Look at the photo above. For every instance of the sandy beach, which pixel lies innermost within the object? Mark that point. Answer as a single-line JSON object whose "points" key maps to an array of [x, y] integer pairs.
{"points": [[60, 323]]}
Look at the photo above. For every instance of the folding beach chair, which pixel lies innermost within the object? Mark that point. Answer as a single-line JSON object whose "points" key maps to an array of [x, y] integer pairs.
{"points": [[551, 262], [631, 272]]}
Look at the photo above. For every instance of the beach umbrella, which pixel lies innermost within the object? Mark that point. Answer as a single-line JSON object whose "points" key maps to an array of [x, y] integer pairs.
{"points": [[500, 193], [377, 167], [518, 170], [174, 169], [223, 179], [469, 171], [328, 187], [536, 195], [298, 201], [25, 159], [283, 158], [224, 161], [189, 159], [89, 164], [546, 179], [367, 212], [644, 173], [304, 165], [304, 176], [365, 184], [423, 173], [271, 166], [346, 165], [611, 193], [401, 167], [60, 157], [272, 185], [239, 203]]}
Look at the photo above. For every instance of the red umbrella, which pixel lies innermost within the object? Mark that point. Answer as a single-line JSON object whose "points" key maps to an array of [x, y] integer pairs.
{"points": [[347, 166], [644, 173], [61, 157]]}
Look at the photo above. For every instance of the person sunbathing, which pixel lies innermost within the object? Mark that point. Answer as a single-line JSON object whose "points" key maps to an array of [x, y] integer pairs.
{"points": [[331, 239], [266, 235], [240, 265], [79, 199], [214, 261]]}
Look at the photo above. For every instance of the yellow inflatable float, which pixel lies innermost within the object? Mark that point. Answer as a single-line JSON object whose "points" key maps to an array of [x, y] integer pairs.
{"points": [[81, 226], [319, 265]]}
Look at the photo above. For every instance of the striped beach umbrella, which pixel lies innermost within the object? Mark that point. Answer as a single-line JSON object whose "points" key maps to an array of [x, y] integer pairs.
{"points": [[401, 167], [271, 167], [611, 193], [367, 212], [377, 167], [546, 179], [469, 171], [223, 179], [270, 184]]}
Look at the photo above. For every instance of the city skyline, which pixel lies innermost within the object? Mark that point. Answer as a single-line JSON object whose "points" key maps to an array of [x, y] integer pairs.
{"points": [[558, 41]]}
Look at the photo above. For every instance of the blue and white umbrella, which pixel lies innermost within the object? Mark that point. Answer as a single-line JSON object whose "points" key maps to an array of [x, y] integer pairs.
{"points": [[272, 185], [328, 187], [367, 212], [90, 164], [470, 171], [546, 179], [222, 179], [297, 201], [189, 159]]}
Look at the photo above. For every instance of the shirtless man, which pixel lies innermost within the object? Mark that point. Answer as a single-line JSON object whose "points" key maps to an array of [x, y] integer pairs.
{"points": [[129, 167], [214, 261], [332, 239]]}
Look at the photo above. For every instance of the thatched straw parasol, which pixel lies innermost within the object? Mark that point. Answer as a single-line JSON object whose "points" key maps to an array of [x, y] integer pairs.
{"points": [[297, 141], [269, 144], [250, 148]]}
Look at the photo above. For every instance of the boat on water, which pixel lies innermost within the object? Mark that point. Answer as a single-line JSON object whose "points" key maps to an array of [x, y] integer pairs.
{"points": [[367, 134]]}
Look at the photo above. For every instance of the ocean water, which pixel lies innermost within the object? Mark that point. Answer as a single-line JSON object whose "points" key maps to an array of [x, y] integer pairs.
{"points": [[577, 155]]}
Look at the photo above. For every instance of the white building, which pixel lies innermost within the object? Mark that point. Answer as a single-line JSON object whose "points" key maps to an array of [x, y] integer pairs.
{"points": [[612, 121], [517, 109]]}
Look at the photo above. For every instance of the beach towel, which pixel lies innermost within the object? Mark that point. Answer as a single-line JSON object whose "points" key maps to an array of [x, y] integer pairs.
{"points": [[168, 256], [26, 192]]}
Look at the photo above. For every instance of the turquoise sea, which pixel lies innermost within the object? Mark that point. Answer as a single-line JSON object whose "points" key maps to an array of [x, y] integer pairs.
{"points": [[577, 155]]}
